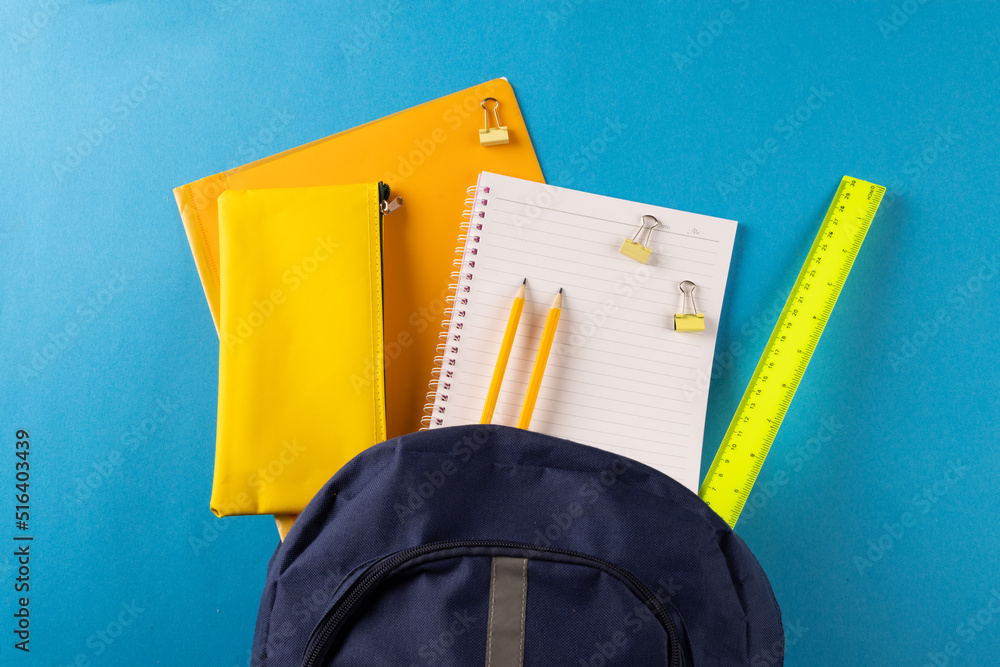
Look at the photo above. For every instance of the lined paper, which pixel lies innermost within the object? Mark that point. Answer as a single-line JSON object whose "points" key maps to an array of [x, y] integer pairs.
{"points": [[618, 377]]}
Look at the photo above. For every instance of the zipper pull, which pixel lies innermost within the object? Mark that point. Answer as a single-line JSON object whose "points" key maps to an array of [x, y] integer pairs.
{"points": [[385, 204], [388, 206]]}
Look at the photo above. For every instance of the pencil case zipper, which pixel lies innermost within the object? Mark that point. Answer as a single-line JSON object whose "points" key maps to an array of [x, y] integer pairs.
{"points": [[386, 205]]}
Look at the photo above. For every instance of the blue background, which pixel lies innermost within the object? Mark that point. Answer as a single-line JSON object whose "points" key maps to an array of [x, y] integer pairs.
{"points": [[120, 486]]}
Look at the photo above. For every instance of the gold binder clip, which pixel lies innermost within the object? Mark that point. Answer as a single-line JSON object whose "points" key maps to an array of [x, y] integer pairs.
{"points": [[688, 320], [497, 135], [638, 251]]}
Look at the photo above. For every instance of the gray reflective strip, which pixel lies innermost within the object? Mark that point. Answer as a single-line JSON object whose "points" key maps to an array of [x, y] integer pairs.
{"points": [[508, 598]]}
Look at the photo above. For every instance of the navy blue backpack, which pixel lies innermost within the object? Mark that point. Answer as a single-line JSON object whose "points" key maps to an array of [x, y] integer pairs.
{"points": [[487, 545]]}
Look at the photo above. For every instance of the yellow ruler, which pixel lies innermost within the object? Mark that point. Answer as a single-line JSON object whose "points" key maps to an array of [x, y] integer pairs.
{"points": [[796, 333]]}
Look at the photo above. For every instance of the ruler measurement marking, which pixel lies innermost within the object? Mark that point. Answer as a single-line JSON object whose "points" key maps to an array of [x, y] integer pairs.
{"points": [[774, 382]]}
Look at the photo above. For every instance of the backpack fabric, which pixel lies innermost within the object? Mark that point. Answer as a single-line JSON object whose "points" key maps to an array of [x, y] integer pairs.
{"points": [[488, 545]]}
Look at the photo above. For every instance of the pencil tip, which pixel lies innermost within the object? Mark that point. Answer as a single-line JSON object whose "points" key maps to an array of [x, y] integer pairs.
{"points": [[560, 290], [524, 282]]}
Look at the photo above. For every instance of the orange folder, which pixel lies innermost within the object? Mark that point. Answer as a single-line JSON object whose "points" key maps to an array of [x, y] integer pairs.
{"points": [[428, 155]]}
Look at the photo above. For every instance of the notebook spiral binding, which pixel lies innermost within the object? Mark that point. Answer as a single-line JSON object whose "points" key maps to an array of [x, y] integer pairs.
{"points": [[450, 336]]}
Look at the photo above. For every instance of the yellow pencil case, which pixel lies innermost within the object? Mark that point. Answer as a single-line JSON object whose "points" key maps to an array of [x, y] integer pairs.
{"points": [[301, 387]]}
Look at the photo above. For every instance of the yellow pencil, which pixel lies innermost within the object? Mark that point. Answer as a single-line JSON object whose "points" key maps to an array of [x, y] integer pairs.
{"points": [[504, 356], [541, 358]]}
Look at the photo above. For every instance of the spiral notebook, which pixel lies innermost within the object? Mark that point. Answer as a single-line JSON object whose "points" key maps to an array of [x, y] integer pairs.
{"points": [[619, 377]]}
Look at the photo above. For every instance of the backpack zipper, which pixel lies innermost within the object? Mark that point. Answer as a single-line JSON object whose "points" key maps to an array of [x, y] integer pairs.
{"points": [[382, 569]]}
